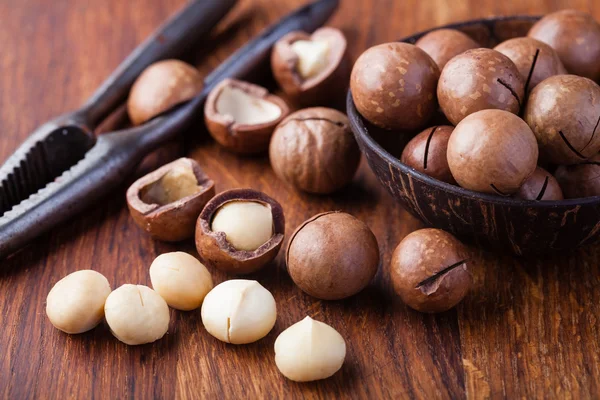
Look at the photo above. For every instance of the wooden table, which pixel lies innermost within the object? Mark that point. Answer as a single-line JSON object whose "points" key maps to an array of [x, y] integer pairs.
{"points": [[529, 329]]}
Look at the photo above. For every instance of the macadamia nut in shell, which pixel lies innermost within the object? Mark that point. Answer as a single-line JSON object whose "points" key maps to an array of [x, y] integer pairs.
{"points": [[479, 79], [429, 270], [445, 44], [75, 304], [180, 279], [393, 86], [314, 150], [492, 151], [136, 314], [160, 87], [240, 231], [239, 311], [309, 350], [332, 256]]}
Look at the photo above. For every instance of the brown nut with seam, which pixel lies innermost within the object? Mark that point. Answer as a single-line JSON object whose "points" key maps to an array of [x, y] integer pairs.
{"points": [[426, 153], [332, 256], [580, 180], [240, 230], [445, 44], [160, 87], [313, 68], [429, 270], [393, 86], [535, 60], [314, 150], [540, 186], [575, 36], [166, 202], [479, 79], [563, 112], [241, 116], [492, 151]]}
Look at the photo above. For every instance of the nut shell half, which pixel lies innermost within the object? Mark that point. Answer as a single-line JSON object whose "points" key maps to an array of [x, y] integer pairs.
{"points": [[242, 138], [331, 81], [215, 250], [175, 220]]}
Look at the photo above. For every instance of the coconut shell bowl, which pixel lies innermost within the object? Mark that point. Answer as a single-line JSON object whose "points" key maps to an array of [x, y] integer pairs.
{"points": [[505, 223]]}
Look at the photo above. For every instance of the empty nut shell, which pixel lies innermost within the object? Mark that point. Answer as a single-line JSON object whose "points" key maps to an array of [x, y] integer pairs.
{"points": [[241, 116], [575, 36], [429, 270], [166, 202], [426, 153], [535, 60], [217, 251], [314, 150], [580, 180], [160, 87], [444, 44], [479, 79], [332, 256], [313, 68], [563, 112], [393, 86], [541, 185]]}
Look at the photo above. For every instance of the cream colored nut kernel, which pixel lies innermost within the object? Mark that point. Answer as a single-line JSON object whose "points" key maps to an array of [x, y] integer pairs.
{"points": [[246, 224], [75, 304], [136, 314], [176, 184], [180, 279], [244, 108], [239, 311], [312, 56], [309, 350]]}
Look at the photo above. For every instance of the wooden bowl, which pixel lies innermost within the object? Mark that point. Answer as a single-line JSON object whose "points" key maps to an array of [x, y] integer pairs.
{"points": [[519, 226]]}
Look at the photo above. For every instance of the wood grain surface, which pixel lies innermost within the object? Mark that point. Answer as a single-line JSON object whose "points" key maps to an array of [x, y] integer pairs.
{"points": [[529, 329]]}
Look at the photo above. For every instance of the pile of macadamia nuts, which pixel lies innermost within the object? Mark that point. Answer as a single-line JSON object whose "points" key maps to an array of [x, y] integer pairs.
{"points": [[508, 110], [522, 118]]}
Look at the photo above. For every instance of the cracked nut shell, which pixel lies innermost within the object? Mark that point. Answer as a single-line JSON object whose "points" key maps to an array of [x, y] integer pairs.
{"points": [[575, 36], [580, 180], [215, 250], [329, 81], [563, 112], [429, 270], [241, 116], [492, 151], [160, 87], [541, 185], [314, 150], [522, 52], [332, 256], [479, 79], [426, 153], [393, 86], [166, 202], [445, 44]]}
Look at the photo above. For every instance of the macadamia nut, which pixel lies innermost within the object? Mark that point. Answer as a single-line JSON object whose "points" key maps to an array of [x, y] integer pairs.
{"points": [[312, 56], [239, 311], [75, 304], [136, 314], [180, 279], [309, 350], [247, 224]]}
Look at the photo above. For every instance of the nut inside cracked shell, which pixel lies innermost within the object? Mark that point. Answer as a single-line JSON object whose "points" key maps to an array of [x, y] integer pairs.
{"points": [[246, 239]]}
